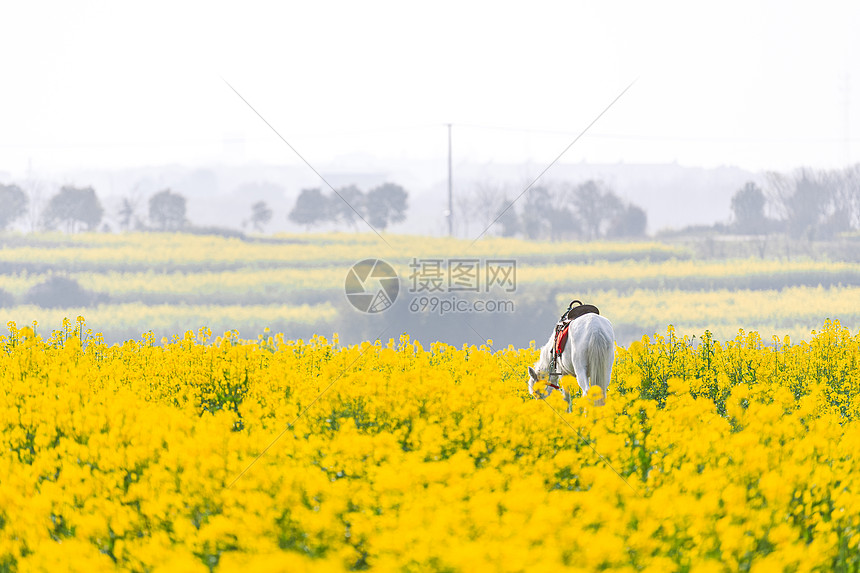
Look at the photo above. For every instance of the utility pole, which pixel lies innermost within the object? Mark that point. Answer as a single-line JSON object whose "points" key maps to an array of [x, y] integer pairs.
{"points": [[846, 121], [450, 189]]}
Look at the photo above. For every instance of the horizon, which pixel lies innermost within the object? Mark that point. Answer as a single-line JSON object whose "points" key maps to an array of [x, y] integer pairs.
{"points": [[672, 195]]}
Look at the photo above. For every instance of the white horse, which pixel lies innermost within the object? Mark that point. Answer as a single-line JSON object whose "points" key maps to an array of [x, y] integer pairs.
{"points": [[588, 355]]}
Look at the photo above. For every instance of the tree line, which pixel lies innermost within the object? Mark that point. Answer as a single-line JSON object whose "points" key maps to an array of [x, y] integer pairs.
{"points": [[806, 204], [73, 209], [588, 211], [379, 207]]}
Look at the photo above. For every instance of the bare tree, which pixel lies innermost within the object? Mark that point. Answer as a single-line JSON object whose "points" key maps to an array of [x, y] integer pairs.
{"points": [[778, 188], [847, 195], [36, 190], [813, 204], [487, 200], [128, 209], [464, 204]]}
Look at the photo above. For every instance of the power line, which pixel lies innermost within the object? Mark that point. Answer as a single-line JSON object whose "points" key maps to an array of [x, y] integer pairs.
{"points": [[393, 129], [651, 137], [212, 141], [554, 161]]}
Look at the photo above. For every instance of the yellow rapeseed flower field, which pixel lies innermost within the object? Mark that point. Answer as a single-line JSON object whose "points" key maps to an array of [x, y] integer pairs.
{"points": [[202, 453], [126, 251]]}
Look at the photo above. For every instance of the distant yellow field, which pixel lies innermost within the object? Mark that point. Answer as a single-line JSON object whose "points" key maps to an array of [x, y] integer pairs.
{"points": [[170, 283], [131, 250], [787, 312]]}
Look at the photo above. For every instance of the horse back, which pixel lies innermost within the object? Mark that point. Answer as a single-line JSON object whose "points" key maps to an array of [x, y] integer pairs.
{"points": [[592, 330]]}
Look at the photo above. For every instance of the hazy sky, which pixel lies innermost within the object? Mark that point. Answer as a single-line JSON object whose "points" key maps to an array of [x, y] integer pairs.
{"points": [[761, 85]]}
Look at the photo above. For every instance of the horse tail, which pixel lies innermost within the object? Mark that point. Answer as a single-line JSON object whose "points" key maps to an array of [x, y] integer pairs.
{"points": [[600, 356]]}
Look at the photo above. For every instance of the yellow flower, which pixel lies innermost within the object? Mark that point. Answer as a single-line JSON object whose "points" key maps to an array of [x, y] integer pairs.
{"points": [[304, 455]]}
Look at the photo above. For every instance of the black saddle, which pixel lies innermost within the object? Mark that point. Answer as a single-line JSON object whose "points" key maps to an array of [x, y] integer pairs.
{"points": [[574, 312]]}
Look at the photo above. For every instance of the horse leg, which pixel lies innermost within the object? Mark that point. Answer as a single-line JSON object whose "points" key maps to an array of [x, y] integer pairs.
{"points": [[581, 374], [568, 397], [602, 400]]}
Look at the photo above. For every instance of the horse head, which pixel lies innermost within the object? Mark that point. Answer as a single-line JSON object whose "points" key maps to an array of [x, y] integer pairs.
{"points": [[534, 378]]}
